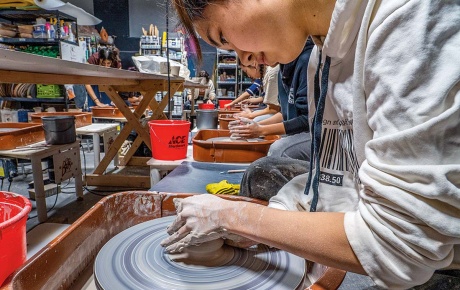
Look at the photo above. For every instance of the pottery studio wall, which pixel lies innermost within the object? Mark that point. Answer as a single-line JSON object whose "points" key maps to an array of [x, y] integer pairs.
{"points": [[125, 19]]}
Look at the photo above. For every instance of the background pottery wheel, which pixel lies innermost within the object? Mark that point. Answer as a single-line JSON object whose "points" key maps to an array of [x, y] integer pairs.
{"points": [[134, 259]]}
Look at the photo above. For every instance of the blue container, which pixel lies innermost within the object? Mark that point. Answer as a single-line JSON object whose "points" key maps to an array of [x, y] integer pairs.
{"points": [[23, 116]]}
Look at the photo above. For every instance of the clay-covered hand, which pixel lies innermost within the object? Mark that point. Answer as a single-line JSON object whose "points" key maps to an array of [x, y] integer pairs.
{"points": [[246, 128], [199, 220], [245, 113]]}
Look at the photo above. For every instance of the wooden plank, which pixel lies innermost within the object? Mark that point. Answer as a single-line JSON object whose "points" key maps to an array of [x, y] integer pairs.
{"points": [[134, 161], [126, 111], [118, 180], [26, 62], [143, 86], [8, 76], [134, 146]]}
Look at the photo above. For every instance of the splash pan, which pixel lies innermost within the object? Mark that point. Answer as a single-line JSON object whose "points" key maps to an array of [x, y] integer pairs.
{"points": [[212, 146], [81, 118], [14, 135]]}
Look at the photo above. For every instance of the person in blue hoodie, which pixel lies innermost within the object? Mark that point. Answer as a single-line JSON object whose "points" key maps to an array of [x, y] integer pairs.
{"points": [[290, 155]]}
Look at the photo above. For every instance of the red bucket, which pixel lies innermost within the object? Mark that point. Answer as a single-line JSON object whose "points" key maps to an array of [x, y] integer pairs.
{"points": [[169, 139], [222, 103], [203, 106], [14, 210]]}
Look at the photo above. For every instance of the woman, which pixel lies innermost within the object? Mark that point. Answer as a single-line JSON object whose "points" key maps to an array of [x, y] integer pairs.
{"points": [[106, 57], [385, 134], [268, 91], [288, 156], [208, 95], [292, 121]]}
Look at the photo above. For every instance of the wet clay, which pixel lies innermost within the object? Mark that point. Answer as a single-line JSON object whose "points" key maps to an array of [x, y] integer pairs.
{"points": [[210, 254]]}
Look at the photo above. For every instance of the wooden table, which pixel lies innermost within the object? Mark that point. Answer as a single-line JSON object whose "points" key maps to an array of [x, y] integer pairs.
{"points": [[66, 159], [18, 67]]}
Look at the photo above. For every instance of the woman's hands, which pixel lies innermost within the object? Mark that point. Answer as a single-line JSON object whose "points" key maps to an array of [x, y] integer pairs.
{"points": [[201, 218], [245, 128], [100, 104]]}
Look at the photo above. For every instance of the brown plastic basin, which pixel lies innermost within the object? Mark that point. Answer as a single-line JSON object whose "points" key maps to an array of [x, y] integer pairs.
{"points": [[227, 112], [13, 135], [64, 260], [111, 112], [228, 151], [224, 119], [81, 118]]}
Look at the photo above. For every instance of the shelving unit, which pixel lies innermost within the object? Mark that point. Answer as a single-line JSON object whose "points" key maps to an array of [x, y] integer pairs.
{"points": [[227, 73], [230, 79], [33, 100], [28, 17], [49, 47], [154, 45], [150, 45], [175, 47]]}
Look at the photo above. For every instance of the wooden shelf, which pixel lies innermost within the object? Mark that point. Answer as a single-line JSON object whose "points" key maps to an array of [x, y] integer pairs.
{"points": [[34, 100]]}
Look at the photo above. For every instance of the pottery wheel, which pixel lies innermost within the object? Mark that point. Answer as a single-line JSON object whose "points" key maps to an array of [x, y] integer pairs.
{"points": [[134, 259]]}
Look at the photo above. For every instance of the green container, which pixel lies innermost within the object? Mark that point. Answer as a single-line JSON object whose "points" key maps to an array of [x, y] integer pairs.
{"points": [[49, 91]]}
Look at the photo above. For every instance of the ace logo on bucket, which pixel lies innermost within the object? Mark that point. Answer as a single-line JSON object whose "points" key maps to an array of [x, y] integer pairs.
{"points": [[178, 142]]}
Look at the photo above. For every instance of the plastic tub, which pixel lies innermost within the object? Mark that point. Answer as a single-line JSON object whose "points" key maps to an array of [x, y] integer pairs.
{"points": [[224, 120], [14, 210], [81, 118], [205, 150]]}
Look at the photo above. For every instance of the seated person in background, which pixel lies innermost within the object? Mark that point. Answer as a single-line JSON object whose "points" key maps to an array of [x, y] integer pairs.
{"points": [[269, 90], [289, 156], [292, 120], [78, 94], [250, 95], [130, 98], [201, 95], [107, 57]]}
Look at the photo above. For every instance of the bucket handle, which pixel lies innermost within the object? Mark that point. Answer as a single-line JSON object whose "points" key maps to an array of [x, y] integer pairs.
{"points": [[43, 126]]}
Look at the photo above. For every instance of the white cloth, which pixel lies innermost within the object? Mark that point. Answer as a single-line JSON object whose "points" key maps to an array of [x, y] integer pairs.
{"points": [[393, 111], [270, 83]]}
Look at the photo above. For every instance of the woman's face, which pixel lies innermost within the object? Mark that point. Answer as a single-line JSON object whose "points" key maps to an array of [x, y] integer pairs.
{"points": [[260, 31], [252, 71], [106, 62]]}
